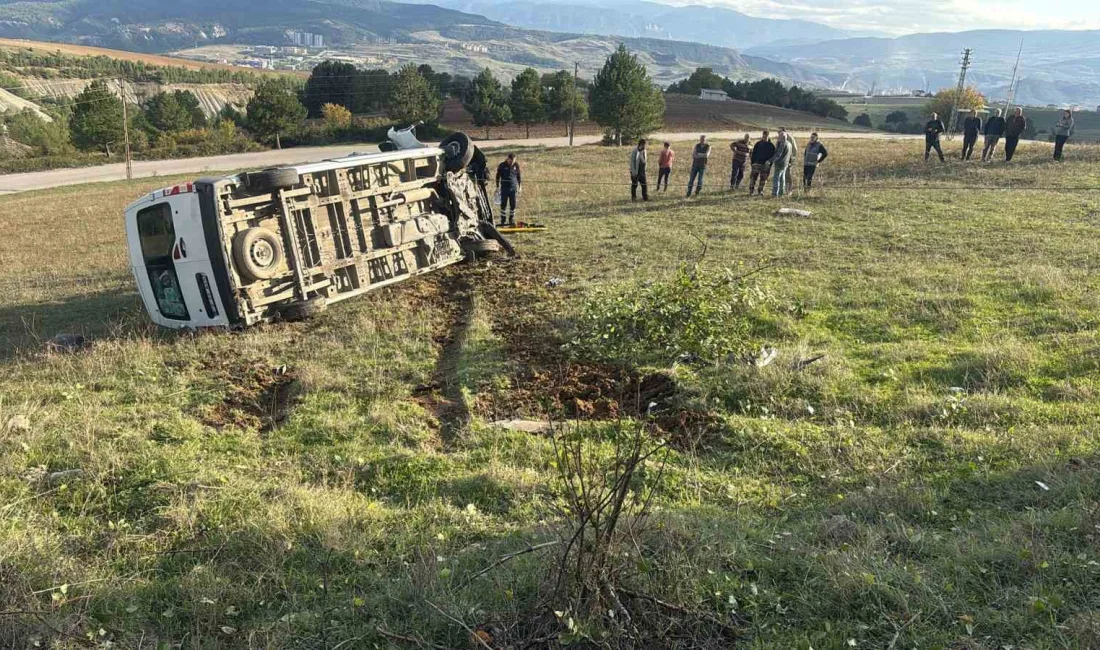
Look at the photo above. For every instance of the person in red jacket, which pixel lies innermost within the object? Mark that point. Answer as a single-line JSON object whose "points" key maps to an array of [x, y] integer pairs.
{"points": [[664, 165]]}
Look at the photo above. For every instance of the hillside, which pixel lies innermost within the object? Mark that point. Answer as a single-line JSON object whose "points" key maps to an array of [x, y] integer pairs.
{"points": [[1056, 67], [159, 26], [702, 24]]}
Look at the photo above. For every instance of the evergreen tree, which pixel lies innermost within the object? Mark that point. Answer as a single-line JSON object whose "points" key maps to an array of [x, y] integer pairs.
{"points": [[191, 104], [563, 99], [412, 99], [370, 89], [330, 82], [526, 100], [700, 79], [96, 121], [165, 114], [486, 101], [274, 109], [623, 98]]}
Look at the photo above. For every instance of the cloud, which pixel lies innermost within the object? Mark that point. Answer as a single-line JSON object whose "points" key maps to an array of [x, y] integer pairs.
{"points": [[910, 16]]}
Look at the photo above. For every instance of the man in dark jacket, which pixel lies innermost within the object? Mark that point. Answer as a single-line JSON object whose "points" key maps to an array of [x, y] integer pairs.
{"points": [[479, 170], [508, 183], [700, 153], [994, 129], [1014, 128], [932, 131], [971, 126], [762, 152], [815, 154]]}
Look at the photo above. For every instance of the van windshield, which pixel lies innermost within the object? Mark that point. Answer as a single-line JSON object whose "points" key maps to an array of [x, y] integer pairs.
{"points": [[157, 239]]}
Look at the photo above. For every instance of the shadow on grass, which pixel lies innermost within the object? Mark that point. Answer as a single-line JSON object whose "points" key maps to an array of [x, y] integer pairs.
{"points": [[27, 327]]}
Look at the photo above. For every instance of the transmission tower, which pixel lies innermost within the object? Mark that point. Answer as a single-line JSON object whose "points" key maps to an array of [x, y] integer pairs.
{"points": [[1014, 84], [965, 65]]}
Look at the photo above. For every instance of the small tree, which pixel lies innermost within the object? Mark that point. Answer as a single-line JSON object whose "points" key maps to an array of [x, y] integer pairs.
{"points": [[486, 101], [274, 109], [944, 101], [96, 121], [897, 117], [563, 99], [412, 98], [863, 119], [336, 116], [623, 98], [526, 100]]}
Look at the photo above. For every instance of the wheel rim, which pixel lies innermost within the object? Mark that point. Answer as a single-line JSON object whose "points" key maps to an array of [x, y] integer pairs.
{"points": [[262, 253]]}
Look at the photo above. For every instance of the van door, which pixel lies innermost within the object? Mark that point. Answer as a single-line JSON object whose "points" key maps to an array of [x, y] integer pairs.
{"points": [[171, 263]]}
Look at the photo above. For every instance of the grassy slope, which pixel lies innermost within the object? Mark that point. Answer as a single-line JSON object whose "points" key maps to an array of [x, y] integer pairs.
{"points": [[864, 502]]}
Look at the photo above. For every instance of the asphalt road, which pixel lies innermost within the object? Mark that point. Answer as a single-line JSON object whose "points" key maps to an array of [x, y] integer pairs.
{"points": [[11, 183]]}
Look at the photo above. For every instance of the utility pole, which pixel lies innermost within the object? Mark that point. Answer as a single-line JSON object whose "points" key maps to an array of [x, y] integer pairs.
{"points": [[959, 91], [573, 103], [1012, 84], [126, 129]]}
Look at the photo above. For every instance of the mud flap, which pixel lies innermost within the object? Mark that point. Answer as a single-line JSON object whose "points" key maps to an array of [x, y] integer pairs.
{"points": [[489, 231]]}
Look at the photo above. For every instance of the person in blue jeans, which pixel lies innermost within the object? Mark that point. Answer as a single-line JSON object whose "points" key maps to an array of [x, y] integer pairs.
{"points": [[699, 156], [781, 161]]}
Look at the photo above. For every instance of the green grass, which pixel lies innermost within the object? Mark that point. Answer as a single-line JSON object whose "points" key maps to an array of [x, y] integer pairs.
{"points": [[885, 496]]}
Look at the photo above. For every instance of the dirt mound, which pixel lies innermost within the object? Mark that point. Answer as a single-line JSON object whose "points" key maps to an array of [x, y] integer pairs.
{"points": [[258, 396]]}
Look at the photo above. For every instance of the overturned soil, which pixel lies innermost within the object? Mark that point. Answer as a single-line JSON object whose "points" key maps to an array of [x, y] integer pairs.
{"points": [[258, 396], [530, 317]]}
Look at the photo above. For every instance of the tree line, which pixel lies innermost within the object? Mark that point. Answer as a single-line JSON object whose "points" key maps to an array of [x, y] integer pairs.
{"points": [[764, 91]]}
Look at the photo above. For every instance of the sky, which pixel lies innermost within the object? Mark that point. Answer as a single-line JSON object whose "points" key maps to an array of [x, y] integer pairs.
{"points": [[898, 17]]}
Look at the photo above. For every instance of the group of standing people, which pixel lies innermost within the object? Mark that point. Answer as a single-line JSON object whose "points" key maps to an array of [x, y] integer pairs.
{"points": [[763, 158], [995, 128]]}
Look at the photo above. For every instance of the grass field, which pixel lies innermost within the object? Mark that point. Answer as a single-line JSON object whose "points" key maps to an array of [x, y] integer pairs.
{"points": [[933, 481]]}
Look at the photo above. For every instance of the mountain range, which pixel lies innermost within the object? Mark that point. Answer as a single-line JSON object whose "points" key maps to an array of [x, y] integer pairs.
{"points": [[1056, 66], [698, 23]]}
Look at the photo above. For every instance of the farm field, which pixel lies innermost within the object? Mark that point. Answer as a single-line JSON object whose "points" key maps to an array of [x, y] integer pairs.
{"points": [[682, 113], [916, 466]]}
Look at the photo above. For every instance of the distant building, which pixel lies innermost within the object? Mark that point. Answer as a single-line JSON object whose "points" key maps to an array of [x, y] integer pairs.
{"points": [[714, 95]]}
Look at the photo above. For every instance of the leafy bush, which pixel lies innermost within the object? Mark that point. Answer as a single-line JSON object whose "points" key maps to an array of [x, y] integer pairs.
{"points": [[694, 314]]}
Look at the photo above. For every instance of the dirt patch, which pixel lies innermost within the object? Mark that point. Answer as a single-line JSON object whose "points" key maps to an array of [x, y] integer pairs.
{"points": [[531, 318], [258, 396], [451, 291]]}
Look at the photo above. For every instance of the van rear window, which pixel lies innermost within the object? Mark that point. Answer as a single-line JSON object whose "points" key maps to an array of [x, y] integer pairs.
{"points": [[158, 236]]}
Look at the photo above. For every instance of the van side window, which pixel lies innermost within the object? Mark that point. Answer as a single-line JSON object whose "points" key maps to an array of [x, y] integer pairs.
{"points": [[157, 238]]}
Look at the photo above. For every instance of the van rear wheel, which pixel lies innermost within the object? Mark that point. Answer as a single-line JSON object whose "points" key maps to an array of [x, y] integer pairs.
{"points": [[303, 310], [258, 254]]}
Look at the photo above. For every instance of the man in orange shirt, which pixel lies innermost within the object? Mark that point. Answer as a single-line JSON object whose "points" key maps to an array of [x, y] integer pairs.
{"points": [[664, 165]]}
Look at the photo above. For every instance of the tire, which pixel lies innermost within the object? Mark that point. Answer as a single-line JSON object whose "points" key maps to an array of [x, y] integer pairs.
{"points": [[270, 180], [458, 151], [258, 253], [481, 247], [304, 310], [387, 146]]}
